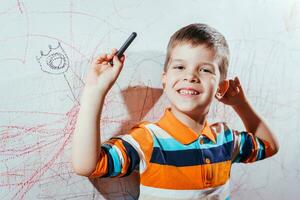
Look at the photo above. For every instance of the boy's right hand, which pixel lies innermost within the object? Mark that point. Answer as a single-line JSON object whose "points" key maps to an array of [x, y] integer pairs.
{"points": [[102, 75]]}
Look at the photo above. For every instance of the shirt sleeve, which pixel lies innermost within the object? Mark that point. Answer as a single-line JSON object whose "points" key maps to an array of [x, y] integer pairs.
{"points": [[121, 155], [249, 148]]}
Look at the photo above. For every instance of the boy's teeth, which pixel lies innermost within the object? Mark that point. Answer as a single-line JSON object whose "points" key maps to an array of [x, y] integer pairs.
{"points": [[189, 92]]}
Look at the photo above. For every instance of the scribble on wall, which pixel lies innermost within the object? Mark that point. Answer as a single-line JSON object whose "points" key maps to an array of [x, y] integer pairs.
{"points": [[55, 61], [46, 45]]}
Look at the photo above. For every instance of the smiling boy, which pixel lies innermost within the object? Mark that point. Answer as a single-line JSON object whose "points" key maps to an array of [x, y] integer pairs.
{"points": [[181, 156]]}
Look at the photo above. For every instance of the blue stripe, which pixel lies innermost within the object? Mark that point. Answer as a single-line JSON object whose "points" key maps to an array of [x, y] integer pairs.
{"points": [[226, 137], [242, 136], [170, 144], [191, 157], [110, 166], [239, 156], [262, 153], [227, 198], [247, 147], [116, 161], [132, 155]]}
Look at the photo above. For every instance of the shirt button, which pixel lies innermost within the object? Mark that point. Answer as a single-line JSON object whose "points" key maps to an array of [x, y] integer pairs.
{"points": [[207, 184], [207, 160]]}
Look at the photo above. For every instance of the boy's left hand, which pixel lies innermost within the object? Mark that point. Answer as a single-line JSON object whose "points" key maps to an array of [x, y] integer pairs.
{"points": [[234, 95]]}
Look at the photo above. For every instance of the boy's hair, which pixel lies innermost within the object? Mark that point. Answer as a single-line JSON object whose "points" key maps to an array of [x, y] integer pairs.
{"points": [[201, 34]]}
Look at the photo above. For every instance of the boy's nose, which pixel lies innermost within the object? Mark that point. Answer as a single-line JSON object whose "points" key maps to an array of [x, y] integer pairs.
{"points": [[191, 78]]}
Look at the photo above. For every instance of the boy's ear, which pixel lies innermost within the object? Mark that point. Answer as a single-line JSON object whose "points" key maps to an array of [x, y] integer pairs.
{"points": [[222, 89]]}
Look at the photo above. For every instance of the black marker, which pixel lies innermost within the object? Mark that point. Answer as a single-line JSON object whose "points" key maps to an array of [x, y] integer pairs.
{"points": [[125, 46]]}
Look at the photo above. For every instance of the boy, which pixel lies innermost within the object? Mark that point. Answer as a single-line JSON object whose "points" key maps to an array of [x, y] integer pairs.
{"points": [[181, 156]]}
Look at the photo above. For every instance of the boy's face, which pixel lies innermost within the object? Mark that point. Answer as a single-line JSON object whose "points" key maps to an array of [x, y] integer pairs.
{"points": [[191, 79]]}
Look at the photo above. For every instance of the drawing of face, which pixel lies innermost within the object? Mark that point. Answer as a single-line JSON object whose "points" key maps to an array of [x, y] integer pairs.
{"points": [[191, 79], [55, 61]]}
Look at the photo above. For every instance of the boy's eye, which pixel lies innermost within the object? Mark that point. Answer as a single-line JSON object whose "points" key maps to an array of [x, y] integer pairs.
{"points": [[206, 70], [178, 67]]}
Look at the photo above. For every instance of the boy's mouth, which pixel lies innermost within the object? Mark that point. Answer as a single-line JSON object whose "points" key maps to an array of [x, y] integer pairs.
{"points": [[188, 92]]}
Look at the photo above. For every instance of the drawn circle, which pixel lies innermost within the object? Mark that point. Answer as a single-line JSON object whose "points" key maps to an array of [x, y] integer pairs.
{"points": [[56, 61]]}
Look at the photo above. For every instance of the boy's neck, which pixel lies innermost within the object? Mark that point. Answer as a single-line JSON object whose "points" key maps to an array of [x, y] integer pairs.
{"points": [[194, 122]]}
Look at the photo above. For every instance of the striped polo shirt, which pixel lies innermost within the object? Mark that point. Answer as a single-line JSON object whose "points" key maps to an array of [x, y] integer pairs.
{"points": [[175, 162]]}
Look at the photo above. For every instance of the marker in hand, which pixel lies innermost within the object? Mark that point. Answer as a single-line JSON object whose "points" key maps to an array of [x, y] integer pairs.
{"points": [[124, 46]]}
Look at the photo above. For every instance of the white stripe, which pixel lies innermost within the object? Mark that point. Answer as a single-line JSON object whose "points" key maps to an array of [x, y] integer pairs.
{"points": [[237, 141], [119, 154], [136, 146], [157, 131], [258, 146], [217, 193]]}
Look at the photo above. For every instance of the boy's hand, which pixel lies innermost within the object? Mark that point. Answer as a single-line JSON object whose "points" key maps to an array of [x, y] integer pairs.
{"points": [[234, 95], [102, 75]]}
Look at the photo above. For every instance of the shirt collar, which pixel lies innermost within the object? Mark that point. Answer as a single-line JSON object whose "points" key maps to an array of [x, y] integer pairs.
{"points": [[180, 131]]}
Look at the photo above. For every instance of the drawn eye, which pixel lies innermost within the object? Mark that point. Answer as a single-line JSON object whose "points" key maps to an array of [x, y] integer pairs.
{"points": [[55, 61]]}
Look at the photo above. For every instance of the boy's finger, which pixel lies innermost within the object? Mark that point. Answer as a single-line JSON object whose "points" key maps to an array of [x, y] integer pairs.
{"points": [[232, 92], [236, 90], [117, 64], [103, 55], [109, 57], [114, 51], [234, 85], [122, 59], [101, 58], [96, 61], [233, 88], [231, 83], [237, 81], [116, 60]]}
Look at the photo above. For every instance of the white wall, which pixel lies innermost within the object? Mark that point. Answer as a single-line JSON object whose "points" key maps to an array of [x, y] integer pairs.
{"points": [[38, 109]]}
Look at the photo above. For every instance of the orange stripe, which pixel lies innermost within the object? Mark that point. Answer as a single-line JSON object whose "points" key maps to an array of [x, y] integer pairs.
{"points": [[118, 143], [145, 140], [191, 177], [268, 149], [141, 135], [101, 167], [111, 141], [125, 166], [253, 156]]}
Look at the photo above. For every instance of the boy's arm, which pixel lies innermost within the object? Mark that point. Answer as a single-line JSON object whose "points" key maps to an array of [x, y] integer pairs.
{"points": [[86, 139], [253, 123]]}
